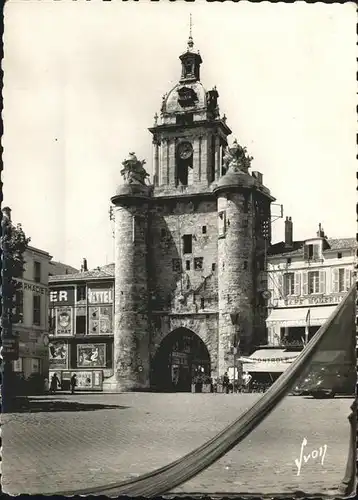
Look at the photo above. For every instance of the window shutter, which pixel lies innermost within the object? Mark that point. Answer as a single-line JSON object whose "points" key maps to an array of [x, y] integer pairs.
{"points": [[297, 283], [285, 285], [280, 284], [322, 282], [347, 278], [305, 252], [315, 251], [305, 283], [335, 280]]}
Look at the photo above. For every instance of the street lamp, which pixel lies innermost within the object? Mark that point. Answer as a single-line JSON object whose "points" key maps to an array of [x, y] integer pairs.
{"points": [[234, 316]]}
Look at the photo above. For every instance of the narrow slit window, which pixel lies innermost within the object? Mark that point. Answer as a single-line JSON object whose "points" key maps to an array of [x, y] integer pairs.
{"points": [[187, 243]]}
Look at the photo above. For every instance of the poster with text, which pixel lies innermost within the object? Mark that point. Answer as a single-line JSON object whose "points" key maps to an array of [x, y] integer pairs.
{"points": [[58, 354], [64, 321], [91, 356]]}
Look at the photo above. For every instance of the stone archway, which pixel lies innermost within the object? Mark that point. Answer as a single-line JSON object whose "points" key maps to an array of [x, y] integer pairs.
{"points": [[180, 357]]}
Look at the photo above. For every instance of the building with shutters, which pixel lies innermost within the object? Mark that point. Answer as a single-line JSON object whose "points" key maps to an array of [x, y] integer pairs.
{"points": [[306, 280]]}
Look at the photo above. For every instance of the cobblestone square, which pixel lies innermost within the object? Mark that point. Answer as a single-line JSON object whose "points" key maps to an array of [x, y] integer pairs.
{"points": [[93, 439]]}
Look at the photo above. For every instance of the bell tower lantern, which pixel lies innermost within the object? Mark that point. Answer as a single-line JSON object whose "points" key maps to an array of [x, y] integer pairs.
{"points": [[189, 136], [190, 64]]}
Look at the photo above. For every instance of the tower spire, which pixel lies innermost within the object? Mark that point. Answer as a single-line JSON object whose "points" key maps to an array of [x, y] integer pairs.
{"points": [[190, 40]]}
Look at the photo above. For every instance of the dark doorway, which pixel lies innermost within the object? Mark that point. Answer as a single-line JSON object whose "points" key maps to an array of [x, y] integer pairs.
{"points": [[181, 356]]}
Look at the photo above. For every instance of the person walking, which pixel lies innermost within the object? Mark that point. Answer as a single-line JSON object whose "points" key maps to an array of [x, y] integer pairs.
{"points": [[73, 383], [226, 383], [55, 383]]}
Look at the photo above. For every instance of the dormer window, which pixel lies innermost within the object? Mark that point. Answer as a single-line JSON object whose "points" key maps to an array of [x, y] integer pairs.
{"points": [[312, 252]]}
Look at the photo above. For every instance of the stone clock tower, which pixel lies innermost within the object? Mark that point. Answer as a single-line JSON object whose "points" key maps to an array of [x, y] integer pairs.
{"points": [[189, 141], [190, 263]]}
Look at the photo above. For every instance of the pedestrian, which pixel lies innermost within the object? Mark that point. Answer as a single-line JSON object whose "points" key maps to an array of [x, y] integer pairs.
{"points": [[226, 383], [55, 383], [246, 379], [73, 383]]}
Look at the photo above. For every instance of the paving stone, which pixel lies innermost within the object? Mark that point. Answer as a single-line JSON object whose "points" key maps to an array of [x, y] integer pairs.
{"points": [[45, 452]]}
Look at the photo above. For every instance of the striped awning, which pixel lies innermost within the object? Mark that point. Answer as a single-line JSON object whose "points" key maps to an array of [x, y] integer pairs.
{"points": [[296, 316], [268, 360]]}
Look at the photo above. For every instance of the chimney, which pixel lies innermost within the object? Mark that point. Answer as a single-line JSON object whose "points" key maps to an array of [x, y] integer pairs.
{"points": [[84, 266], [288, 232], [320, 232], [7, 213]]}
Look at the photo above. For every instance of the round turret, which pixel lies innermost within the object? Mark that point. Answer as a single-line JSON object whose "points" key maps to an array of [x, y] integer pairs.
{"points": [[131, 335], [233, 180]]}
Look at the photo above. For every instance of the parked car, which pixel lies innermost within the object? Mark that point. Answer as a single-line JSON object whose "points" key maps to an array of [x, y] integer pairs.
{"points": [[327, 381]]}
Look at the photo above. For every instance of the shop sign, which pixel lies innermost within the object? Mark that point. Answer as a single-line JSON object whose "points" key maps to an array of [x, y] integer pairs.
{"points": [[268, 360], [58, 354], [64, 321], [91, 355], [40, 290], [10, 348], [100, 295], [314, 300], [62, 296]]}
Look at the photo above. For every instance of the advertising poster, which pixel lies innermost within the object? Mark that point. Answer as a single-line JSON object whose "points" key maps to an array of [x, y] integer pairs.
{"points": [[100, 295], [84, 380], [91, 356], [58, 354], [64, 296], [64, 321], [100, 320]]}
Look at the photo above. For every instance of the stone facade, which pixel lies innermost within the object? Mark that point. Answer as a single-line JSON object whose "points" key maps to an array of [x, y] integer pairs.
{"points": [[189, 247]]}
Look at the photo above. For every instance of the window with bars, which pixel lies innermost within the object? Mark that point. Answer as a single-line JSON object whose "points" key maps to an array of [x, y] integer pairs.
{"points": [[36, 310]]}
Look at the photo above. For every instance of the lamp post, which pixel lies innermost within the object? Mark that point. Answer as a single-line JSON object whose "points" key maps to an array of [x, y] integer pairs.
{"points": [[234, 316]]}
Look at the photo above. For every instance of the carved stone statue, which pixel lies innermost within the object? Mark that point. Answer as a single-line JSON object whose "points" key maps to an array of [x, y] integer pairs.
{"points": [[237, 159], [133, 171]]}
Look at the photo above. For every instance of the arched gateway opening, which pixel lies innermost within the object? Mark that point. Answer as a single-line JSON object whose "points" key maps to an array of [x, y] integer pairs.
{"points": [[181, 356]]}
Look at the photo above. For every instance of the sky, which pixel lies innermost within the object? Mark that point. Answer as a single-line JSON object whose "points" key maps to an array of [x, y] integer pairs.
{"points": [[83, 81]]}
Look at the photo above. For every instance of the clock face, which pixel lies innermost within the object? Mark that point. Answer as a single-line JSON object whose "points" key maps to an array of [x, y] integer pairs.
{"points": [[185, 150]]}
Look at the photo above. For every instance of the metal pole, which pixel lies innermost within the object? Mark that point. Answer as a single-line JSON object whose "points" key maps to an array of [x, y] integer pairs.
{"points": [[233, 389]]}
